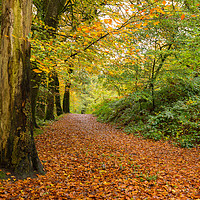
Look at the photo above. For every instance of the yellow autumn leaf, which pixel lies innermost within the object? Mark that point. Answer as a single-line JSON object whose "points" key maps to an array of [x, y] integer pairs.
{"points": [[161, 11], [155, 23], [108, 21], [138, 25], [37, 71]]}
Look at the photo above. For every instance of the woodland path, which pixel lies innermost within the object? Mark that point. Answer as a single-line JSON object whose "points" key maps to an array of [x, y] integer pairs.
{"points": [[86, 159]]}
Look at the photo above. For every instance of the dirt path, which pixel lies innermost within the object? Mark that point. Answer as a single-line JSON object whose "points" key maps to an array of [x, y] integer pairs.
{"points": [[85, 159]]}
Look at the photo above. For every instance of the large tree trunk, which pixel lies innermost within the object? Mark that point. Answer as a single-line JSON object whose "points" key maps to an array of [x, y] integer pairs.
{"points": [[17, 147]]}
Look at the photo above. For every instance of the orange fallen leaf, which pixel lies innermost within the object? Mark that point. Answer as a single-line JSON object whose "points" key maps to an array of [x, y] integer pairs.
{"points": [[108, 21], [182, 16]]}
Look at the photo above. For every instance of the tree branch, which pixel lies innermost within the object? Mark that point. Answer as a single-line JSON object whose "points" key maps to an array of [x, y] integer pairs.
{"points": [[106, 34]]}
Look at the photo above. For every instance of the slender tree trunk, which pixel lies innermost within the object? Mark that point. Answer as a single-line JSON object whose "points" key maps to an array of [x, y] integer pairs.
{"points": [[155, 73], [50, 107], [59, 110], [152, 84], [34, 95], [35, 83], [17, 147], [66, 99], [49, 115]]}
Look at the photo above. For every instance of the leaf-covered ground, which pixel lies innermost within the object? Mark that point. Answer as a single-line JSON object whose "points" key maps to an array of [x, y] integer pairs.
{"points": [[85, 159]]}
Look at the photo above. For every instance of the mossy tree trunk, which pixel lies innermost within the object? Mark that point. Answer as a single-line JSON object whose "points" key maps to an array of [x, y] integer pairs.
{"points": [[0, 12], [17, 148], [35, 84]]}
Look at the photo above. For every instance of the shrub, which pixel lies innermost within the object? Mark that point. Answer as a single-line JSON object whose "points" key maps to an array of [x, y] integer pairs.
{"points": [[177, 114]]}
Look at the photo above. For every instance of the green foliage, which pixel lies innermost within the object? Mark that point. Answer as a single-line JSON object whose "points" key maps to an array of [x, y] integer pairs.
{"points": [[155, 66], [151, 177], [37, 131], [176, 117], [103, 110], [122, 111], [177, 88], [2, 175], [188, 141]]}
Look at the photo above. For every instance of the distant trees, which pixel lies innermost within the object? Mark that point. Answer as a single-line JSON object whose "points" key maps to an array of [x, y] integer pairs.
{"points": [[56, 23]]}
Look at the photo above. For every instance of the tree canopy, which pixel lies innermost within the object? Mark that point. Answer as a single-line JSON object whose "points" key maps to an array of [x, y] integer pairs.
{"points": [[112, 50]]}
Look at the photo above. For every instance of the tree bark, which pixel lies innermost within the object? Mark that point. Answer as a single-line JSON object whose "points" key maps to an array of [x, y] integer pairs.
{"points": [[17, 148], [49, 115], [35, 84], [59, 110], [152, 84], [52, 10], [66, 99]]}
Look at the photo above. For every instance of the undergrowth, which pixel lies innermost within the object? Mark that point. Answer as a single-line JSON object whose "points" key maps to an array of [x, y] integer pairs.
{"points": [[176, 115]]}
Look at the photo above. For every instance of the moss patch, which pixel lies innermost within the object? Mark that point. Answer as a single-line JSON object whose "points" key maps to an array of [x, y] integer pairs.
{"points": [[37, 131], [3, 175]]}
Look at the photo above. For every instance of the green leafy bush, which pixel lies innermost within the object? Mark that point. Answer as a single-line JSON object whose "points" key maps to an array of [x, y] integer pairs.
{"points": [[177, 89], [176, 117]]}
